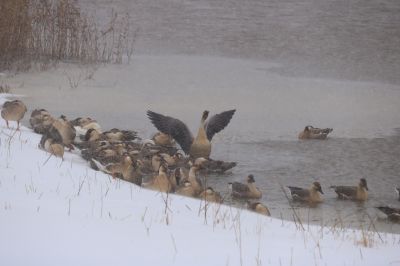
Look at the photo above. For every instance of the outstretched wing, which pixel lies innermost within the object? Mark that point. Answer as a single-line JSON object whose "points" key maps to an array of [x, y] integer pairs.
{"points": [[218, 122], [173, 127]]}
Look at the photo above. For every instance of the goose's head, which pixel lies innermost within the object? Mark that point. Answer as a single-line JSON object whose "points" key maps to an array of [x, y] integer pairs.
{"points": [[205, 115], [363, 183], [317, 187], [250, 179]]}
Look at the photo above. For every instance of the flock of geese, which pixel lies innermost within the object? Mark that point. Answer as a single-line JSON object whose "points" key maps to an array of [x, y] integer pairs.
{"points": [[158, 164]]}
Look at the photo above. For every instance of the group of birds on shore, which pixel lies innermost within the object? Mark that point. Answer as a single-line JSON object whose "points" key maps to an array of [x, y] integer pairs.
{"points": [[158, 164]]}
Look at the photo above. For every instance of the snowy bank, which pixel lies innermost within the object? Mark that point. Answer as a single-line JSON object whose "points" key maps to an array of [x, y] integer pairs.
{"points": [[57, 212]]}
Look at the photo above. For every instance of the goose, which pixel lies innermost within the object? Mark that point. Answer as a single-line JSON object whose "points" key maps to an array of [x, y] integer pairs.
{"points": [[258, 207], [210, 195], [310, 132], [13, 111], [51, 146], [186, 189], [134, 174], [192, 176], [63, 132], [163, 139], [122, 168], [359, 192], [249, 190], [311, 195], [393, 214], [200, 146], [161, 182], [41, 121]]}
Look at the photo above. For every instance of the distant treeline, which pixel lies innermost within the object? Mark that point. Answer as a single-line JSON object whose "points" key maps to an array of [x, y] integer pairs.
{"points": [[48, 31]]}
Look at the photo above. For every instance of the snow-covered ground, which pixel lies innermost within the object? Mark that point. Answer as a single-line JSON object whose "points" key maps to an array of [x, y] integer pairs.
{"points": [[57, 212]]}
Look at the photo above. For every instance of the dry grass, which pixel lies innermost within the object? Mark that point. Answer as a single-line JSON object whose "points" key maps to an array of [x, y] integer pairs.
{"points": [[48, 31]]}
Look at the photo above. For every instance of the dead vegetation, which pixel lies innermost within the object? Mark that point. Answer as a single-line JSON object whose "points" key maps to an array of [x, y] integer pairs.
{"points": [[45, 32]]}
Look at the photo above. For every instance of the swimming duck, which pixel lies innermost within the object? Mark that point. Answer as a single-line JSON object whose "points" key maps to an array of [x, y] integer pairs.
{"points": [[63, 132], [311, 195], [359, 192], [41, 121], [195, 147], [13, 111], [219, 167], [249, 190], [211, 196], [311, 132], [393, 214], [163, 139], [258, 207]]}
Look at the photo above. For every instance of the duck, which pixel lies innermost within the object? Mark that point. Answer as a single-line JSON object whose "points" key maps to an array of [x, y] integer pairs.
{"points": [[163, 139], [393, 214], [63, 132], [311, 195], [197, 147], [359, 192], [134, 174], [161, 182], [13, 111], [249, 190], [311, 132], [198, 164], [122, 168], [113, 135], [41, 121], [51, 146], [186, 189], [219, 167], [210, 195], [258, 207]]}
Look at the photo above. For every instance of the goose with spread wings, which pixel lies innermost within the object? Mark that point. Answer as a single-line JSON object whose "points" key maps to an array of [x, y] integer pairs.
{"points": [[196, 147]]}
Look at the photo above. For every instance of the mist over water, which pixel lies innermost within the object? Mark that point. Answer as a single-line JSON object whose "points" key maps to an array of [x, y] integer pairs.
{"points": [[341, 39], [282, 65]]}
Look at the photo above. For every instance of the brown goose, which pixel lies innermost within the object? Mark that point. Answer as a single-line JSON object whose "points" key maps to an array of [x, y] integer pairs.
{"points": [[258, 207], [122, 168], [393, 214], [359, 192], [51, 146], [311, 132], [13, 111], [63, 132], [163, 139], [186, 189], [200, 146], [210, 195], [161, 182], [41, 121], [311, 195], [249, 190]]}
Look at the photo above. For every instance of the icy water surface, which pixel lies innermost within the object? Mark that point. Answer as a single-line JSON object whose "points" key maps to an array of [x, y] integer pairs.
{"points": [[343, 39]]}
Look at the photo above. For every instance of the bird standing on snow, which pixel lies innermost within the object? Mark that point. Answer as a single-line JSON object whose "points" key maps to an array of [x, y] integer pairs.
{"points": [[195, 147], [13, 111]]}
